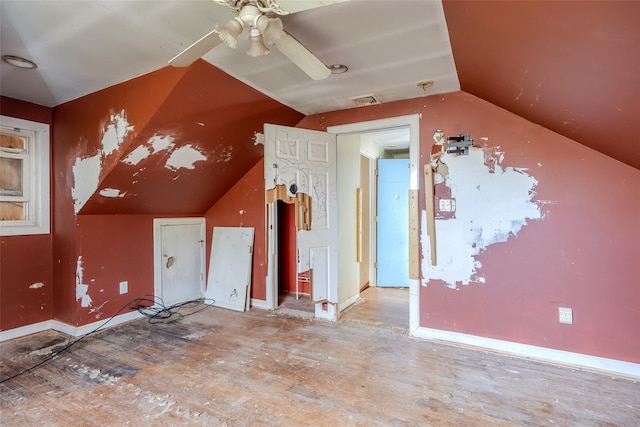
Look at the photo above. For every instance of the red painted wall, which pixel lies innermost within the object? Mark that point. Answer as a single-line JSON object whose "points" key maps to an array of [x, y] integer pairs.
{"points": [[77, 133], [200, 107], [114, 248], [287, 251], [583, 254], [25, 260], [244, 206]]}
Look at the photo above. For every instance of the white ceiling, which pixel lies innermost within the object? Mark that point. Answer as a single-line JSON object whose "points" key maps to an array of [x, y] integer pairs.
{"points": [[84, 46]]}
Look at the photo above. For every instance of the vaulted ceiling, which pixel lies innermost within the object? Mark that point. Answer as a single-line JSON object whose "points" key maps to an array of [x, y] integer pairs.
{"points": [[569, 66]]}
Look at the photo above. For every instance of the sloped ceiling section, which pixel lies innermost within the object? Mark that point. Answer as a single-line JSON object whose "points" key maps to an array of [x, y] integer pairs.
{"points": [[572, 67], [194, 148]]}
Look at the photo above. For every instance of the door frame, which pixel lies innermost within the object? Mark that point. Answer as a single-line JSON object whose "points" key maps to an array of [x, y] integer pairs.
{"points": [[413, 122], [373, 206], [158, 223]]}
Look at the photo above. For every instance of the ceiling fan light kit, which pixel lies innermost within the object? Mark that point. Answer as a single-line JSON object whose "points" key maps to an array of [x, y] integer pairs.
{"points": [[256, 45], [270, 28], [263, 31], [230, 31]]}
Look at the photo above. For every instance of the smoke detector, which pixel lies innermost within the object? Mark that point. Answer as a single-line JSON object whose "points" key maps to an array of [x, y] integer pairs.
{"points": [[364, 100]]}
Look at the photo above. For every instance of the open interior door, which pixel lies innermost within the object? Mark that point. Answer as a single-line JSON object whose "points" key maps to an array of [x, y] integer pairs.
{"points": [[300, 168]]}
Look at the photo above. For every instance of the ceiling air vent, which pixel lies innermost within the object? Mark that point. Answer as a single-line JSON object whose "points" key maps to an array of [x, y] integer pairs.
{"points": [[364, 100]]}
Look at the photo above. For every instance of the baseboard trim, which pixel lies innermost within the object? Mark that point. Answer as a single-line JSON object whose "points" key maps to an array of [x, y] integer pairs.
{"points": [[77, 331], [22, 331], [348, 302], [559, 357], [65, 328], [260, 303]]}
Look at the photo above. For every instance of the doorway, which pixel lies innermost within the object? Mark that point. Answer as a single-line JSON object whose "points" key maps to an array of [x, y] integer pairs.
{"points": [[391, 138], [293, 288]]}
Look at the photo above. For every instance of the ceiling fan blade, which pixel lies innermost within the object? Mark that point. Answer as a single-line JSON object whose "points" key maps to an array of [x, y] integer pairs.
{"points": [[196, 50], [302, 57]]}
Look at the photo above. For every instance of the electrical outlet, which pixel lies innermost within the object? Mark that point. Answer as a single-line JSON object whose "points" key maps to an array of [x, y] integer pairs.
{"points": [[565, 315], [447, 205], [124, 287]]}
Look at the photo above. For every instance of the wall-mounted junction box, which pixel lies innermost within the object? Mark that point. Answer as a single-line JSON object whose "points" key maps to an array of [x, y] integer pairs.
{"points": [[565, 315], [124, 287], [447, 205]]}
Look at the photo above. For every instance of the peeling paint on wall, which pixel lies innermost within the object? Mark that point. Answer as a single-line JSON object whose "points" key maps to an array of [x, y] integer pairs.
{"points": [[224, 154], [96, 310], [86, 176], [154, 145], [86, 171], [136, 156], [114, 133], [111, 192], [81, 288], [159, 143], [492, 205], [36, 285], [184, 157]]}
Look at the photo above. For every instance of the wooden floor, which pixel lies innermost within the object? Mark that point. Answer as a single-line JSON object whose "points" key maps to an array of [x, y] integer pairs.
{"points": [[224, 368], [383, 307]]}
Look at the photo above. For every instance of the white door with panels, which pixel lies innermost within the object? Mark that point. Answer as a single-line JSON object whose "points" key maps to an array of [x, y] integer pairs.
{"points": [[303, 162], [179, 259]]}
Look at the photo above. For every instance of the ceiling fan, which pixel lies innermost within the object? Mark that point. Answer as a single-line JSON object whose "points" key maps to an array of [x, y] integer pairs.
{"points": [[260, 18]]}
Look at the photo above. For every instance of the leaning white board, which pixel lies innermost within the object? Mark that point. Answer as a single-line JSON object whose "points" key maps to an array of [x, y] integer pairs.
{"points": [[229, 279]]}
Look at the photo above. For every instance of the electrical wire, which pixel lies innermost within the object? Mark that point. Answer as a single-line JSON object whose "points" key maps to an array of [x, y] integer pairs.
{"points": [[148, 305], [159, 313]]}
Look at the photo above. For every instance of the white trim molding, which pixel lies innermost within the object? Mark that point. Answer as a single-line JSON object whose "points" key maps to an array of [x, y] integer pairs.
{"points": [[77, 331], [39, 189], [344, 304], [22, 331], [65, 328], [261, 304], [413, 122], [543, 354]]}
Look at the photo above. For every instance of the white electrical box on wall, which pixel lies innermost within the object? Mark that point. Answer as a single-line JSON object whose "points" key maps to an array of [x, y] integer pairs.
{"points": [[565, 315], [447, 205]]}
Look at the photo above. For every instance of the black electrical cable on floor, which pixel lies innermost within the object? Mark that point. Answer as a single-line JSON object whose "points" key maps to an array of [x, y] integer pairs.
{"points": [[159, 313], [148, 305]]}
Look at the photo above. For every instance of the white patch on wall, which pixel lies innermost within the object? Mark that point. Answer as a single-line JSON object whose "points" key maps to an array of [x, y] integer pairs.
{"points": [[136, 156], [184, 157], [36, 285], [81, 288], [111, 192], [159, 143], [156, 144], [114, 133], [96, 310], [492, 204], [86, 171], [86, 176]]}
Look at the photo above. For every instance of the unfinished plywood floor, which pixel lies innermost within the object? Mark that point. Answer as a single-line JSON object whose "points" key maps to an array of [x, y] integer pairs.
{"points": [[221, 367]]}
